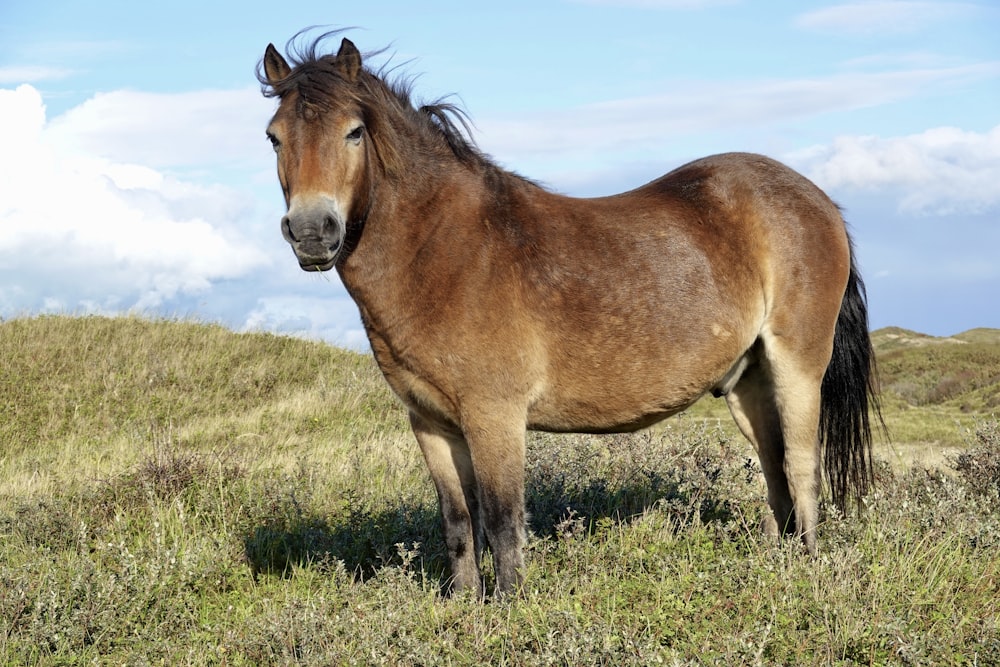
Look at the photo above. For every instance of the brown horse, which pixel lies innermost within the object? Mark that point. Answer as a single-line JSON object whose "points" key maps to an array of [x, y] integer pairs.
{"points": [[493, 305]]}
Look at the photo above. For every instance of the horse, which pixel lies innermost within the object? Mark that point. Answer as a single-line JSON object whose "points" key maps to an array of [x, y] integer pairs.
{"points": [[494, 305]]}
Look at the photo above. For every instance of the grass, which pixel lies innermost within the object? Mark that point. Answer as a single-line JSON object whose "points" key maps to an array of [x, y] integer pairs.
{"points": [[175, 493]]}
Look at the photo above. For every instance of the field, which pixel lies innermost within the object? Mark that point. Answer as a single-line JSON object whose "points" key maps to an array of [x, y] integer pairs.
{"points": [[175, 493]]}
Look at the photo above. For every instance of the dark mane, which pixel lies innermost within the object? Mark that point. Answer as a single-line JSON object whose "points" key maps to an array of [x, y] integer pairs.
{"points": [[387, 104]]}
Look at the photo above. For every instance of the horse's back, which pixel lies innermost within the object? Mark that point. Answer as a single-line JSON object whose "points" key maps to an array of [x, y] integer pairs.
{"points": [[742, 187]]}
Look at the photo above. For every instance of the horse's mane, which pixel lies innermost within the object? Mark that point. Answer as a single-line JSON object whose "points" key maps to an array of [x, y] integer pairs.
{"points": [[316, 77]]}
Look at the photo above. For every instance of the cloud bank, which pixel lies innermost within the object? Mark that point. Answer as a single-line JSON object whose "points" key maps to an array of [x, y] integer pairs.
{"points": [[940, 171], [202, 128], [82, 232]]}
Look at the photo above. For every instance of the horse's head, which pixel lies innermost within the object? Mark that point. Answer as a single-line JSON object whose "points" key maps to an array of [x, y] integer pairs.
{"points": [[319, 136]]}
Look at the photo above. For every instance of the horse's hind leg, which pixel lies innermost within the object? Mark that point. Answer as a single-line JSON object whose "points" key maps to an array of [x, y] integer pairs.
{"points": [[450, 465], [776, 405], [751, 402], [796, 369], [797, 378]]}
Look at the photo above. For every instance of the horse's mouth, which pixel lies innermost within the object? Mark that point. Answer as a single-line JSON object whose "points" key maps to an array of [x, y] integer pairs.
{"points": [[317, 266], [314, 256]]}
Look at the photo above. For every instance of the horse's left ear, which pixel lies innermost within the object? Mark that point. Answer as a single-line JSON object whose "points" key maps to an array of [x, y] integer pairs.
{"points": [[275, 66], [349, 59]]}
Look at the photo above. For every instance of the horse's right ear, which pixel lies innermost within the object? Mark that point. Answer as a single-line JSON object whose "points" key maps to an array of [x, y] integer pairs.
{"points": [[275, 66], [349, 59]]}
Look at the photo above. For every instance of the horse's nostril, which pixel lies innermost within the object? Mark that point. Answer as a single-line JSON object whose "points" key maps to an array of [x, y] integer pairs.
{"points": [[286, 230]]}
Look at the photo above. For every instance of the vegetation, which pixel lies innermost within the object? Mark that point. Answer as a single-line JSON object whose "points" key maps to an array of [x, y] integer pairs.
{"points": [[934, 391], [175, 493]]}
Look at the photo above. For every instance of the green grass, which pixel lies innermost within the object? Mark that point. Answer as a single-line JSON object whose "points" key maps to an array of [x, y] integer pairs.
{"points": [[174, 493]]}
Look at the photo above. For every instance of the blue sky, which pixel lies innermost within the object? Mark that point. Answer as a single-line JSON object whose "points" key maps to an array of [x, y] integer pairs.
{"points": [[135, 175]]}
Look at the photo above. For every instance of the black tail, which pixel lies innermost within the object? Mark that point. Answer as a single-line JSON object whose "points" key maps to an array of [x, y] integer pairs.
{"points": [[850, 399]]}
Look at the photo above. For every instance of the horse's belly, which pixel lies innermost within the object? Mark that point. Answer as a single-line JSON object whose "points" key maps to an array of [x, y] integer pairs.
{"points": [[623, 392], [611, 407], [592, 421]]}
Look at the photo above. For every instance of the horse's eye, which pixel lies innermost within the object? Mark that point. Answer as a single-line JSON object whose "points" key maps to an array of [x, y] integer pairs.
{"points": [[356, 134], [275, 144]]}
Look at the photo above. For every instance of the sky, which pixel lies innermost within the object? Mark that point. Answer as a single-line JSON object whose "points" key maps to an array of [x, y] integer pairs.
{"points": [[135, 176]]}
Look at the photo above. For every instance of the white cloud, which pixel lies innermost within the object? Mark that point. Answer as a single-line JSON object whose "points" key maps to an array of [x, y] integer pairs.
{"points": [[168, 130], [884, 16], [650, 123], [85, 232], [940, 171]]}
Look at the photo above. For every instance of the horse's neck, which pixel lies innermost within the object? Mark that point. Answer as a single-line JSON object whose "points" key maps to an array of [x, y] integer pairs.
{"points": [[413, 222]]}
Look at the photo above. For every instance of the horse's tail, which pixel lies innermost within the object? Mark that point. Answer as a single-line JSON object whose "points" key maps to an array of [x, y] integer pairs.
{"points": [[849, 399]]}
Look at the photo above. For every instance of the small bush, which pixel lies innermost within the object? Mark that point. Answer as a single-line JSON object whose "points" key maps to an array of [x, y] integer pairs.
{"points": [[694, 472], [43, 523], [979, 466], [169, 473]]}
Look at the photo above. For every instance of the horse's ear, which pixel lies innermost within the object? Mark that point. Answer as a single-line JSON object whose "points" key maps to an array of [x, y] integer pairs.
{"points": [[349, 59], [275, 66]]}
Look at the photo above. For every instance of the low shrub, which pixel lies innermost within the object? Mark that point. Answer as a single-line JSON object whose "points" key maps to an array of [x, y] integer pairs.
{"points": [[979, 465]]}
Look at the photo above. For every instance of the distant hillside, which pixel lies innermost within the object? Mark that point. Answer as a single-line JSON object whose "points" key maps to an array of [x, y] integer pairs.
{"points": [[94, 378], [980, 335], [892, 338], [960, 371], [90, 379]]}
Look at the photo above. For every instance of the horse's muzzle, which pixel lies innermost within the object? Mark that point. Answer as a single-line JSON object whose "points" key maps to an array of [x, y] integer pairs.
{"points": [[316, 234]]}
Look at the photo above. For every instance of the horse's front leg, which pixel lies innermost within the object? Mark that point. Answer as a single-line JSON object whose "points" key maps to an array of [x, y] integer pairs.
{"points": [[496, 444], [450, 465]]}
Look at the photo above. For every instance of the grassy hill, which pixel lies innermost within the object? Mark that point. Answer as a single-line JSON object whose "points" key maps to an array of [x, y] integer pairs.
{"points": [[98, 388], [174, 492], [935, 389], [961, 371]]}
